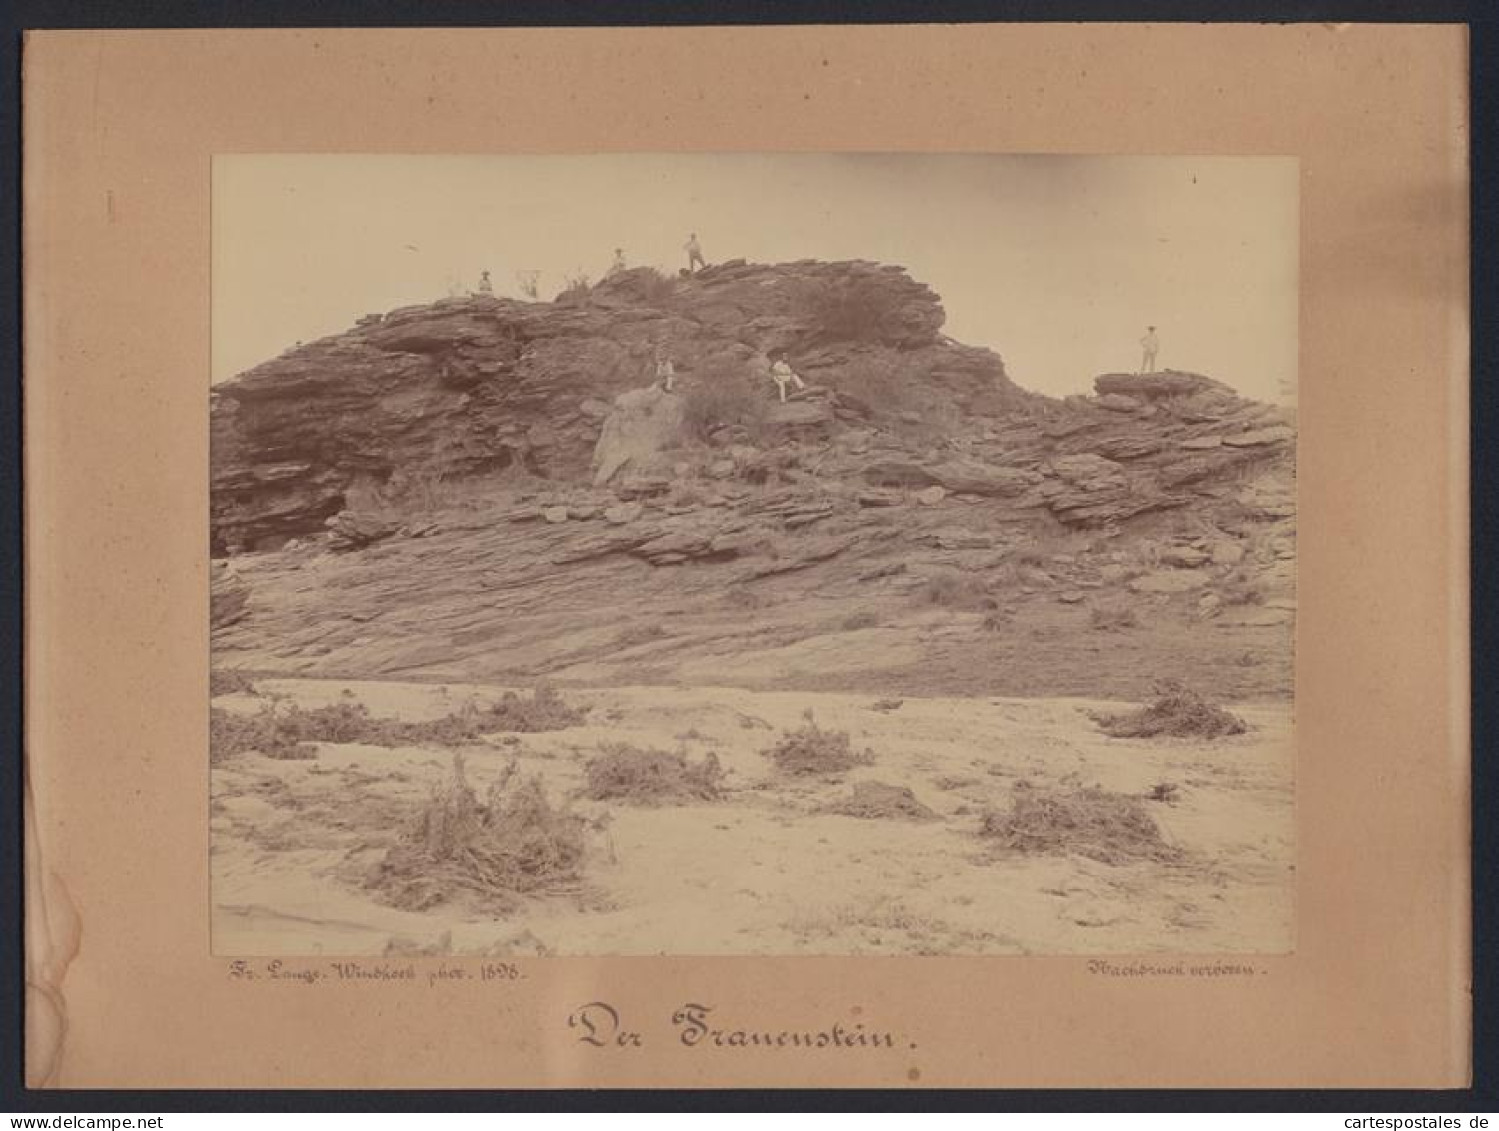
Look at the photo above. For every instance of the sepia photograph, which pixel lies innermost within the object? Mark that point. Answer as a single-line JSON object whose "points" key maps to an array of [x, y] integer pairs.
{"points": [[725, 554]]}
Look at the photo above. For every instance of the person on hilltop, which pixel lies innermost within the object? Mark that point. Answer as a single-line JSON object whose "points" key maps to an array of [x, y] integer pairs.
{"points": [[694, 252], [1151, 345], [782, 374], [618, 265]]}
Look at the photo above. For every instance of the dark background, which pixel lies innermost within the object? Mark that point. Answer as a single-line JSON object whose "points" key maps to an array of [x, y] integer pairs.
{"points": [[1483, 17]]}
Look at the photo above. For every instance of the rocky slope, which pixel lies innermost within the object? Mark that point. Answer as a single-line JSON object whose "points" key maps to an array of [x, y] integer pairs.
{"points": [[487, 487]]}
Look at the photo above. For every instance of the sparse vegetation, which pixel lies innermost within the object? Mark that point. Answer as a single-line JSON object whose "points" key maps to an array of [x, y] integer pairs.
{"points": [[868, 618], [1112, 828], [1177, 712], [279, 733], [227, 681], [954, 589], [877, 800], [514, 843], [810, 750], [1165, 791], [576, 291], [722, 400], [622, 772], [996, 620], [655, 287]]}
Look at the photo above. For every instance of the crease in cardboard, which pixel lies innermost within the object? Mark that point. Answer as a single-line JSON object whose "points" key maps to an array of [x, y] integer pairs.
{"points": [[54, 932]]}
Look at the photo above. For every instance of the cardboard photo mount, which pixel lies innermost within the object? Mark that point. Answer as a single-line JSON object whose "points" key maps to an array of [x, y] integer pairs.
{"points": [[120, 130]]}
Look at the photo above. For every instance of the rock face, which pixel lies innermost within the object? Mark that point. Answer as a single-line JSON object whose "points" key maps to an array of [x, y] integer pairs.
{"points": [[484, 390], [474, 386]]}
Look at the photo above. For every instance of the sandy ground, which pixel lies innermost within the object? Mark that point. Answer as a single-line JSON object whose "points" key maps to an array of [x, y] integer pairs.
{"points": [[764, 871]]}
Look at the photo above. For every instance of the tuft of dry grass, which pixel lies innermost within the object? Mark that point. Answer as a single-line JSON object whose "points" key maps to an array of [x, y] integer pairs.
{"points": [[722, 400], [868, 618], [810, 750], [279, 733], [514, 843], [877, 800], [621, 772], [1113, 828], [1177, 712]]}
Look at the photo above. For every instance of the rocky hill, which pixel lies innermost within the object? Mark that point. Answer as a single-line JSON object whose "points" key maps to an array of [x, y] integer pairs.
{"points": [[484, 487]]}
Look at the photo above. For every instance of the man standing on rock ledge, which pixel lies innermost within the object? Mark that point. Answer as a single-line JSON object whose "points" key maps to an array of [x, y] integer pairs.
{"points": [[1151, 345], [694, 253]]}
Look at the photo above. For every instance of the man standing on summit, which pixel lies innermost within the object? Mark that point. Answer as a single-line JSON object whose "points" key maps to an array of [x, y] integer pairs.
{"points": [[694, 252], [1151, 345]]}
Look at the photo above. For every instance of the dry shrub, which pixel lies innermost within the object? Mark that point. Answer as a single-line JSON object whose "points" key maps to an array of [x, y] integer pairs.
{"points": [[642, 633], [855, 621], [227, 681], [876, 800], [622, 772], [514, 843], [1166, 791], [1113, 828], [654, 287], [266, 732], [811, 750], [1113, 616], [277, 734], [1177, 712], [954, 589], [722, 400]]}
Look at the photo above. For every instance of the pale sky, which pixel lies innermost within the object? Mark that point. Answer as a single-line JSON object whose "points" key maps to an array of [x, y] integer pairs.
{"points": [[1058, 263]]}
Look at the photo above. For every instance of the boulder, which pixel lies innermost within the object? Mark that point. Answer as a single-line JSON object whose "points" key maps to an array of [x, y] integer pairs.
{"points": [[1150, 386], [352, 530], [931, 496], [643, 425], [1118, 402]]}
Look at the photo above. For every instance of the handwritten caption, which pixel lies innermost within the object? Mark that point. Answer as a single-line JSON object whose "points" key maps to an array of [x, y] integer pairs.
{"points": [[1105, 969], [372, 973], [601, 1025]]}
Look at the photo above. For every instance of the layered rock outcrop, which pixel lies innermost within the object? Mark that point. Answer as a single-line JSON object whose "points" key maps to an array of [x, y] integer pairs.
{"points": [[472, 386]]}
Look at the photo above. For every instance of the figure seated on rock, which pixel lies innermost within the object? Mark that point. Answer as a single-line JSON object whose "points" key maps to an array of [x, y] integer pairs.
{"points": [[782, 374], [666, 371]]}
